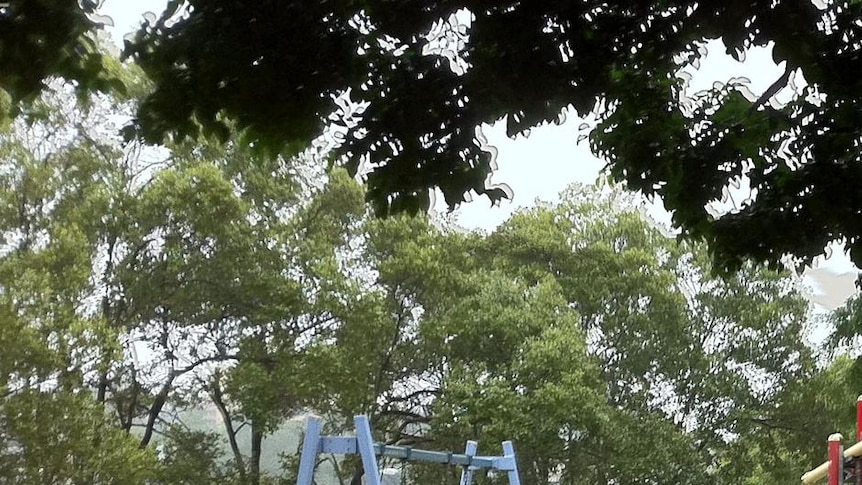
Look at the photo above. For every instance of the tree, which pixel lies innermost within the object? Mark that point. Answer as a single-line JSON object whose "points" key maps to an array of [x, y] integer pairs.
{"points": [[793, 433], [139, 285], [193, 458], [425, 75], [55, 428], [582, 333], [821, 401]]}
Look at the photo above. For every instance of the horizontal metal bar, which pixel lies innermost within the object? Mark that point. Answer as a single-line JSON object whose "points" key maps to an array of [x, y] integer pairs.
{"points": [[505, 463], [407, 453], [341, 445], [347, 445]]}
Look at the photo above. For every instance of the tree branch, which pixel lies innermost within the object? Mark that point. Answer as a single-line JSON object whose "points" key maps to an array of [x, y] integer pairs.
{"points": [[218, 399], [156, 409], [772, 90]]}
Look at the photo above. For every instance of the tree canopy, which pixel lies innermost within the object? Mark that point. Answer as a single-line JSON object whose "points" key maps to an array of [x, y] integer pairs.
{"points": [[580, 332], [401, 87], [426, 74], [41, 39]]}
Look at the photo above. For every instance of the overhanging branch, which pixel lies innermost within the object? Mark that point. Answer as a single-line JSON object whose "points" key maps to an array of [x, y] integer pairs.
{"points": [[773, 89]]}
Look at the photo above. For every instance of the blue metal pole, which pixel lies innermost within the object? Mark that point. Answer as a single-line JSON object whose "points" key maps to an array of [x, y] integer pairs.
{"points": [[365, 442], [467, 473], [509, 451], [310, 448]]}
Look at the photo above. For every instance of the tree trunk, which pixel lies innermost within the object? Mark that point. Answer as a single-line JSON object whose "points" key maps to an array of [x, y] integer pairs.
{"points": [[357, 476], [156, 409], [254, 464], [216, 395]]}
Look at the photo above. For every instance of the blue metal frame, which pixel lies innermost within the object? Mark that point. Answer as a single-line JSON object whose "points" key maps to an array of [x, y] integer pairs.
{"points": [[363, 444], [467, 473]]}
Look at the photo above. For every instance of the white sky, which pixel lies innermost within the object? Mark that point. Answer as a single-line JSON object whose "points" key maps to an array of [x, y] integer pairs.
{"points": [[539, 167]]}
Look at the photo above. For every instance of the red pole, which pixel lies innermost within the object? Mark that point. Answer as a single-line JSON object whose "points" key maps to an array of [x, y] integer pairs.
{"points": [[858, 438], [836, 459]]}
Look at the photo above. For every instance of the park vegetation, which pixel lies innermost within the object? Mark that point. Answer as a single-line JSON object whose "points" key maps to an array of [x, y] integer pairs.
{"points": [[142, 285], [182, 277]]}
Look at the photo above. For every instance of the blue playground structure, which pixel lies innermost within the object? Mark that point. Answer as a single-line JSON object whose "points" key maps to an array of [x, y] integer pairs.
{"points": [[364, 445]]}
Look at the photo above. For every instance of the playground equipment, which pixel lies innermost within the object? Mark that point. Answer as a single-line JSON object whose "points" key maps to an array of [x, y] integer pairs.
{"points": [[363, 444], [844, 464]]}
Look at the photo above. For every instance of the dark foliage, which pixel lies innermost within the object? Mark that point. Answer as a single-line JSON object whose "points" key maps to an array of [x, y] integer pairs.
{"points": [[275, 67], [40, 39]]}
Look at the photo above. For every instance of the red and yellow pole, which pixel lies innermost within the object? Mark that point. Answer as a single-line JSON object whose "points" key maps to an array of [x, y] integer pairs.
{"points": [[836, 459]]}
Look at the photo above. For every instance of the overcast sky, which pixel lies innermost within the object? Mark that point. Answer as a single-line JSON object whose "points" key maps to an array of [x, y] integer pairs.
{"points": [[540, 166]]}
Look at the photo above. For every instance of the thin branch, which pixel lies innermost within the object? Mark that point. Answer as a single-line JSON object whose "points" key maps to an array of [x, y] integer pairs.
{"points": [[770, 425], [415, 394], [773, 89]]}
